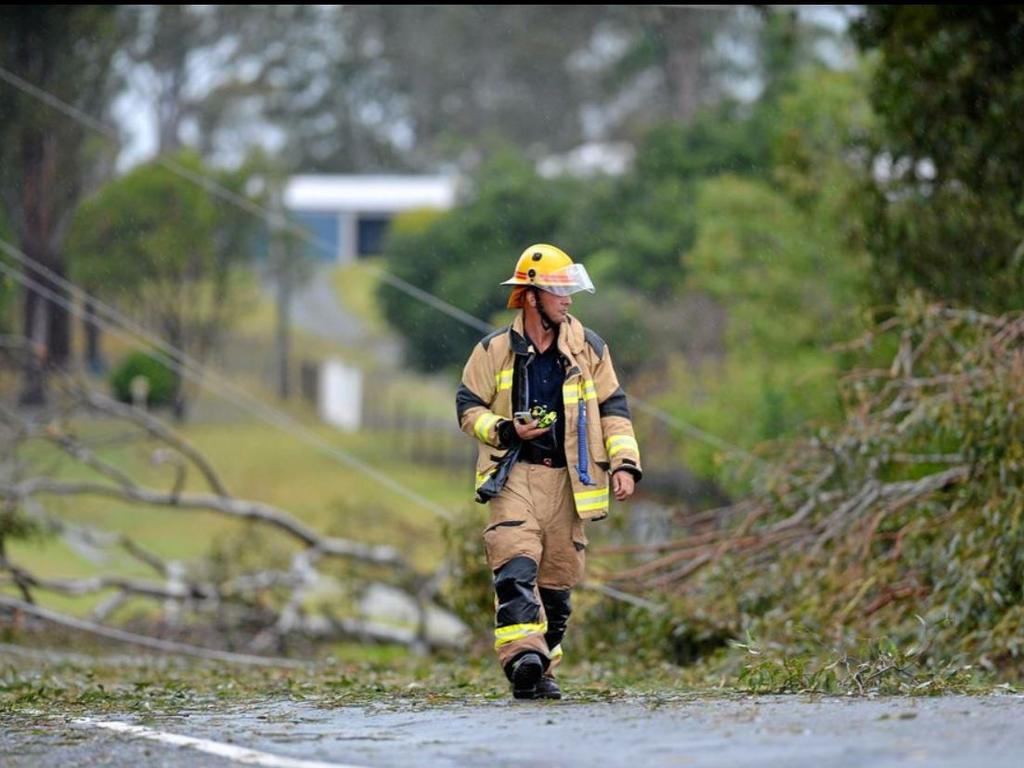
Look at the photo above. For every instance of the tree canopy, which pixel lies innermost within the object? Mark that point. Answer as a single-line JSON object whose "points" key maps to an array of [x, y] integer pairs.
{"points": [[948, 214]]}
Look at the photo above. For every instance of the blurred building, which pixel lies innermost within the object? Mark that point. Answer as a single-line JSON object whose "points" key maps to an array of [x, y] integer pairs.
{"points": [[589, 160], [350, 215]]}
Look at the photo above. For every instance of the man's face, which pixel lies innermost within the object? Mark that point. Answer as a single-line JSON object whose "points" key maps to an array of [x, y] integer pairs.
{"points": [[555, 307]]}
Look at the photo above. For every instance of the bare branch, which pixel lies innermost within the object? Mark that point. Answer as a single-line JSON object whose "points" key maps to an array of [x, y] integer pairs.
{"points": [[165, 646], [158, 430], [103, 583], [243, 510]]}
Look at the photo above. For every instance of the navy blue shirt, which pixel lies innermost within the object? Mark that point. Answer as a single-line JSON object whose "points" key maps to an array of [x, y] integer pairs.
{"points": [[546, 376]]}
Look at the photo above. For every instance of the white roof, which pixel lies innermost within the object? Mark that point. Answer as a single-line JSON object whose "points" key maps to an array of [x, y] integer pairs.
{"points": [[368, 193]]}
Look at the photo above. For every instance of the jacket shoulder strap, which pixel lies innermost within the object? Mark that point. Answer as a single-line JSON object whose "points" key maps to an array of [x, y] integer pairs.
{"points": [[595, 342], [486, 340]]}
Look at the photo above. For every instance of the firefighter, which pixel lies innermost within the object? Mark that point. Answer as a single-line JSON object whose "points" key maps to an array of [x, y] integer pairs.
{"points": [[554, 434]]}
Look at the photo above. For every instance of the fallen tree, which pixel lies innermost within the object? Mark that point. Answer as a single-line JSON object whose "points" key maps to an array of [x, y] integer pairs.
{"points": [[904, 522]]}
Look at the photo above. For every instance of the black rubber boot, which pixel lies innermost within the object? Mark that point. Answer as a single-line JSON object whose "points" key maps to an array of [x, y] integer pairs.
{"points": [[526, 673], [547, 688]]}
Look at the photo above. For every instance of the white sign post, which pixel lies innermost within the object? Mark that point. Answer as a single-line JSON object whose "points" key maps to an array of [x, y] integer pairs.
{"points": [[341, 395]]}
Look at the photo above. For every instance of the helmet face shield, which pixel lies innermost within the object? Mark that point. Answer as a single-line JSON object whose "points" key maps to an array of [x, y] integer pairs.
{"points": [[566, 281]]}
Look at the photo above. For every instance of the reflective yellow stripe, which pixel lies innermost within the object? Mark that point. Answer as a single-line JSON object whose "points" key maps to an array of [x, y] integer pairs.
{"points": [[572, 391], [556, 652], [513, 632], [618, 443], [481, 479], [588, 501], [483, 425], [503, 380]]}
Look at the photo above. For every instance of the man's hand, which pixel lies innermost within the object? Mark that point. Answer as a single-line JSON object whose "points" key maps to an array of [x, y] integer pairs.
{"points": [[530, 430], [623, 485]]}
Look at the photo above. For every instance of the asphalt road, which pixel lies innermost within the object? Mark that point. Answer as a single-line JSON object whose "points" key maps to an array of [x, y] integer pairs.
{"points": [[775, 732], [317, 310]]}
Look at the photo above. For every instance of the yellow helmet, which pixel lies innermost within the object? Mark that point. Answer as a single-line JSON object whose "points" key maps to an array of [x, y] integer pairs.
{"points": [[550, 269]]}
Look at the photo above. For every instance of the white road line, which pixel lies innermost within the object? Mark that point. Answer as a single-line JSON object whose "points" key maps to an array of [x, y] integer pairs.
{"points": [[238, 754]]}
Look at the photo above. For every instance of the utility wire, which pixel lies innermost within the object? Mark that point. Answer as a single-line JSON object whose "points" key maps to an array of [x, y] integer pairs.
{"points": [[279, 222]]}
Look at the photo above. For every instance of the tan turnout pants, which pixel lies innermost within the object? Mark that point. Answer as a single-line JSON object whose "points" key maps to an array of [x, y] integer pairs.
{"points": [[536, 548]]}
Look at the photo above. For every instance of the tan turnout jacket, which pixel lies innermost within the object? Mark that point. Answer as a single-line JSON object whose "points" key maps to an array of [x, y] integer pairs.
{"points": [[496, 372]]}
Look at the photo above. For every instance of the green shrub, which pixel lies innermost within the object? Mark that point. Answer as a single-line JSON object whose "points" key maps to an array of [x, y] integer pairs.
{"points": [[163, 382]]}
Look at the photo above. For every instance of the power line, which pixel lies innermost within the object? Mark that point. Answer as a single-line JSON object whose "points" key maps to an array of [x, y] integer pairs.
{"points": [[695, 432], [276, 221], [207, 378]]}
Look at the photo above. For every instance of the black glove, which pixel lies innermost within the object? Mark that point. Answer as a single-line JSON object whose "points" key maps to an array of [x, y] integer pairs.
{"points": [[507, 435]]}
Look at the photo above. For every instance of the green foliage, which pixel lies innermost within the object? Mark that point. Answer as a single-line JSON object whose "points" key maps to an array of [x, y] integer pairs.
{"points": [[785, 263], [16, 525], [757, 255], [729, 138], [632, 235], [948, 87], [163, 382], [147, 226], [470, 589], [628, 323], [876, 667], [153, 227], [165, 248], [750, 399], [616, 631], [909, 513], [820, 132]]}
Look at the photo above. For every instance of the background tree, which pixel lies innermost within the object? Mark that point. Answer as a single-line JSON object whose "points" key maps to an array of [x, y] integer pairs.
{"points": [[168, 39], [784, 262], [371, 88], [165, 249], [45, 156], [948, 212]]}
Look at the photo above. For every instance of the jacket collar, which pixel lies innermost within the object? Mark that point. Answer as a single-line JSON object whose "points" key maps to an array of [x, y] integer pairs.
{"points": [[570, 336]]}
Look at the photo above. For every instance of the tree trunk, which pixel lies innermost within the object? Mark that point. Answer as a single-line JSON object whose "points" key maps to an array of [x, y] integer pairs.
{"points": [[284, 309], [33, 388], [47, 327], [94, 362], [46, 323], [682, 65], [175, 336]]}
